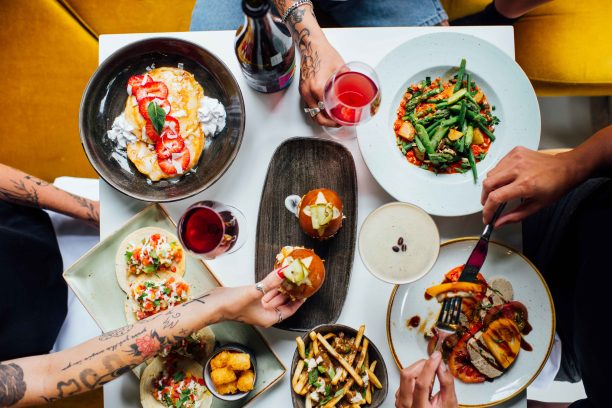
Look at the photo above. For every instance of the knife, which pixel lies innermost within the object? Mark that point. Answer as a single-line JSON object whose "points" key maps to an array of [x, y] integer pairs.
{"points": [[479, 253]]}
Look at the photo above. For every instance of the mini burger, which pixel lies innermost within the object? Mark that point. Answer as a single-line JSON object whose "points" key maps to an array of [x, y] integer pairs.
{"points": [[302, 270], [320, 213]]}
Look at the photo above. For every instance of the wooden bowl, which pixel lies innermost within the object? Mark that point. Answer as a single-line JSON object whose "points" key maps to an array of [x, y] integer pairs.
{"points": [[378, 396]]}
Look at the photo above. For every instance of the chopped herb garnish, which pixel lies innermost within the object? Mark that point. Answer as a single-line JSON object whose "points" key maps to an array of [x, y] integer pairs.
{"points": [[313, 376]]}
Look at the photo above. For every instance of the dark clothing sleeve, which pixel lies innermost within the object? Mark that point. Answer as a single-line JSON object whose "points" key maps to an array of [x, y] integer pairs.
{"points": [[33, 304], [570, 243]]}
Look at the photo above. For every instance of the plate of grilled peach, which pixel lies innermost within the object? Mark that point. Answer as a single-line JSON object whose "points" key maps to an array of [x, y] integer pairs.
{"points": [[506, 324]]}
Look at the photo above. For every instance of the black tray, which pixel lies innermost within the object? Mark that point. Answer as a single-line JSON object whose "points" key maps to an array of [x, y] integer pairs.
{"points": [[298, 166]]}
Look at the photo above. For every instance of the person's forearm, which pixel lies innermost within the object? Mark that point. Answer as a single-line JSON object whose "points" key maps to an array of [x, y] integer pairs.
{"points": [[21, 188], [35, 380], [593, 157], [306, 32]]}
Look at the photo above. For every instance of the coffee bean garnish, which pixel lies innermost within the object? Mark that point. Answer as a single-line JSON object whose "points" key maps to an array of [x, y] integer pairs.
{"points": [[404, 247], [400, 241], [395, 248]]}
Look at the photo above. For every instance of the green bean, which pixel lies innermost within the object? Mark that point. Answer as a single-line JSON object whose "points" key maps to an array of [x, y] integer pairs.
{"points": [[469, 135], [473, 165], [469, 83], [419, 145], [433, 125], [438, 136], [462, 114], [476, 117], [421, 133], [487, 131], [456, 96], [460, 74], [439, 158], [450, 121]]}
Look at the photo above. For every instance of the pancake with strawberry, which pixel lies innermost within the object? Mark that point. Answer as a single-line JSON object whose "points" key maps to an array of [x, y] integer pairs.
{"points": [[151, 252], [174, 382], [162, 112]]}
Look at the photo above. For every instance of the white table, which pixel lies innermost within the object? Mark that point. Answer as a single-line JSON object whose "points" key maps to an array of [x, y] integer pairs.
{"points": [[270, 120]]}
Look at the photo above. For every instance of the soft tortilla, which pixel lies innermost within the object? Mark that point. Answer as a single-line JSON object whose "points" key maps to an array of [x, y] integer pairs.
{"points": [[155, 369], [131, 305], [135, 238]]}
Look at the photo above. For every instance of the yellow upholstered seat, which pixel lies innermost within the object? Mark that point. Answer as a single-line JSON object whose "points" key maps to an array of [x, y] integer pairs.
{"points": [[564, 46]]}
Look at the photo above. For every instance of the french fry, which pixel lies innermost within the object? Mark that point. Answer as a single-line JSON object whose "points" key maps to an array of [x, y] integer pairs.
{"points": [[329, 336], [367, 360], [373, 365], [338, 376], [358, 338], [308, 403], [359, 335], [332, 403], [301, 347], [314, 346], [341, 360], [374, 379], [362, 354], [368, 396], [298, 371], [301, 383]]}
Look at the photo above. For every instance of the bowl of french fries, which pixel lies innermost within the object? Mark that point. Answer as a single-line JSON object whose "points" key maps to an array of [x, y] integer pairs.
{"points": [[337, 366], [230, 372]]}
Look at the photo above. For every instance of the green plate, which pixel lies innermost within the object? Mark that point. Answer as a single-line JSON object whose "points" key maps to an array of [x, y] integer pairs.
{"points": [[93, 280]]}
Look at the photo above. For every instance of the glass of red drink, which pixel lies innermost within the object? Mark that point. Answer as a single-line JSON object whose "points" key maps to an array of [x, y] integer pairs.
{"points": [[209, 229], [352, 96]]}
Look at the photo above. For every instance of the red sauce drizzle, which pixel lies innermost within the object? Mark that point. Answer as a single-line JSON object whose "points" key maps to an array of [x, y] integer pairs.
{"points": [[413, 321]]}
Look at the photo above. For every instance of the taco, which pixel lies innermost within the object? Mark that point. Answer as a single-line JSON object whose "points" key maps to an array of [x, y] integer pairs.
{"points": [[198, 346], [149, 296], [149, 252], [174, 382]]}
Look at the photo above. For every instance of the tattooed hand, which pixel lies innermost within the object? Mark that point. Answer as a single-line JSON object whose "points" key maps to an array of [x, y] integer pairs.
{"points": [[319, 61]]}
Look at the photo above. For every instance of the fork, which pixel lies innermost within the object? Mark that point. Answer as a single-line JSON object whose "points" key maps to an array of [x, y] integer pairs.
{"points": [[450, 313]]}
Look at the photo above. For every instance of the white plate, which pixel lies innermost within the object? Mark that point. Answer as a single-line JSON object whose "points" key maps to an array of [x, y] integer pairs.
{"points": [[503, 82], [408, 344]]}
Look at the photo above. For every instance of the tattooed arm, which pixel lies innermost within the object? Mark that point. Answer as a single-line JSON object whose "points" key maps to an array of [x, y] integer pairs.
{"points": [[319, 60], [21, 188], [34, 380]]}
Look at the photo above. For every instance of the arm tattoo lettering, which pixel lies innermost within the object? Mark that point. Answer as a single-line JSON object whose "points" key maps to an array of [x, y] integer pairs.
{"points": [[120, 332], [12, 385]]}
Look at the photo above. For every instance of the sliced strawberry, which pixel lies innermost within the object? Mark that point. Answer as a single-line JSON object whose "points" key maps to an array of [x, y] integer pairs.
{"points": [[136, 81], [143, 105], [151, 132], [181, 159], [168, 143], [152, 90], [172, 123]]}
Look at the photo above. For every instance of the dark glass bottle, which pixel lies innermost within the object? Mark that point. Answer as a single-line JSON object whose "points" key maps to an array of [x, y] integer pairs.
{"points": [[264, 48]]}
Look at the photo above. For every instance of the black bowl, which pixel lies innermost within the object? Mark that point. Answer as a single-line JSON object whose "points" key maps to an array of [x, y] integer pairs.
{"points": [[378, 396], [104, 99]]}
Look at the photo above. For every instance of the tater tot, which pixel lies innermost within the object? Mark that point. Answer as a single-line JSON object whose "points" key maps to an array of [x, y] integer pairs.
{"points": [[245, 382], [222, 376], [239, 361], [225, 389], [220, 360]]}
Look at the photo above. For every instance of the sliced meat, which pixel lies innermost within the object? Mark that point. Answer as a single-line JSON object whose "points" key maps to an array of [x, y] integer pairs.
{"points": [[482, 359], [501, 289]]}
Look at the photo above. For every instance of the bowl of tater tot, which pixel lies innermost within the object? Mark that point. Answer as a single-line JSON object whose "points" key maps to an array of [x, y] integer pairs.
{"points": [[231, 371]]}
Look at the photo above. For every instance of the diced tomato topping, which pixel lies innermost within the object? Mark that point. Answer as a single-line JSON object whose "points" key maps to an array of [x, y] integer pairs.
{"points": [[136, 254], [167, 166], [169, 143], [143, 106], [152, 89], [155, 238]]}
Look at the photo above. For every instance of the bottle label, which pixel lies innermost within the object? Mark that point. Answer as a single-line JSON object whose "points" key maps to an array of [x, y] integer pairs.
{"points": [[286, 77], [276, 59]]}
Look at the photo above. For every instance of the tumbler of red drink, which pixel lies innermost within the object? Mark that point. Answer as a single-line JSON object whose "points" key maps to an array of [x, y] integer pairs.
{"points": [[209, 229]]}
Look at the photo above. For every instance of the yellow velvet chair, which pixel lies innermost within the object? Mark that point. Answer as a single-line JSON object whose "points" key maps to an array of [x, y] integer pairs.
{"points": [[564, 46], [48, 51]]}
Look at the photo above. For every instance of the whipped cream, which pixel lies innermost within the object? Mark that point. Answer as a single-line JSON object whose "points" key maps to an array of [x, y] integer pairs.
{"points": [[211, 115], [121, 132]]}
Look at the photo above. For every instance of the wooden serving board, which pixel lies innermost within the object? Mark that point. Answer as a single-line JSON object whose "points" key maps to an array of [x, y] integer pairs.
{"points": [[299, 165]]}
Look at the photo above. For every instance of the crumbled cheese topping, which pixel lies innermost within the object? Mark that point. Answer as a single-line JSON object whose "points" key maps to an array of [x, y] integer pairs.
{"points": [[357, 398]]}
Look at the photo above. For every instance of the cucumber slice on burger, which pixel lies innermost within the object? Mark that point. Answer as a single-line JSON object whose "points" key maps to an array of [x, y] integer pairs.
{"points": [[296, 272], [321, 215]]}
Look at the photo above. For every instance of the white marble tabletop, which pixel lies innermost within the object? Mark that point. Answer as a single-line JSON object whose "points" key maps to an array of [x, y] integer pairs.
{"points": [[272, 118]]}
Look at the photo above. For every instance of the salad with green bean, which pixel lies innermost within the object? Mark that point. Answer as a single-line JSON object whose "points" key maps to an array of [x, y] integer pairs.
{"points": [[445, 126]]}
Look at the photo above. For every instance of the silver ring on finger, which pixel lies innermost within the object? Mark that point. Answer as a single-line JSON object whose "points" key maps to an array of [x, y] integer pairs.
{"points": [[260, 287], [280, 315], [312, 111], [321, 105]]}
